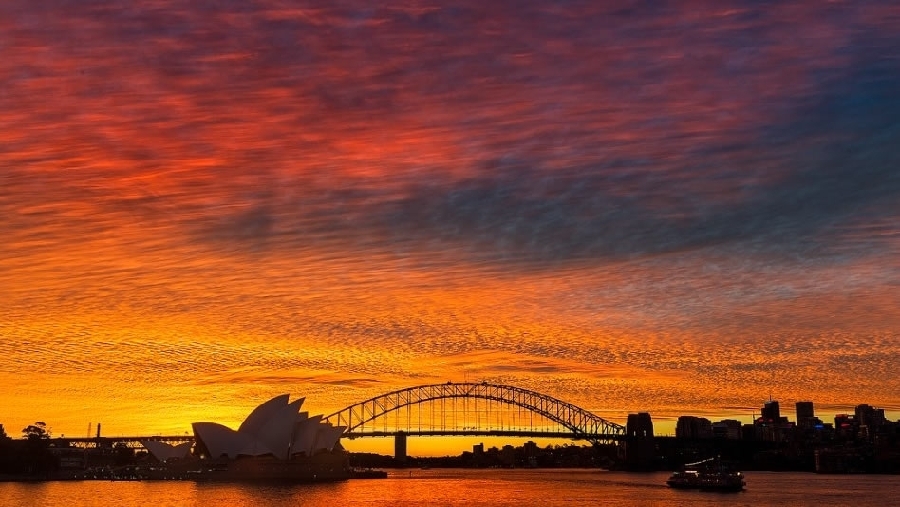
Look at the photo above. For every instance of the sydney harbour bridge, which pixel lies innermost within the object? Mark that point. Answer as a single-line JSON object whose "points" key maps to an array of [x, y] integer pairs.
{"points": [[453, 409], [460, 409]]}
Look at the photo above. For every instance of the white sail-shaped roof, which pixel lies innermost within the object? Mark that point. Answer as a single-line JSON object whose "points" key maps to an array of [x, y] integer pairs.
{"points": [[253, 447], [163, 451], [326, 436], [302, 419], [277, 432], [277, 428], [223, 441], [305, 435], [182, 450], [262, 413]]}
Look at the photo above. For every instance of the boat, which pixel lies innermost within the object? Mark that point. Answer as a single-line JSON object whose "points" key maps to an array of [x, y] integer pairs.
{"points": [[367, 473], [708, 475]]}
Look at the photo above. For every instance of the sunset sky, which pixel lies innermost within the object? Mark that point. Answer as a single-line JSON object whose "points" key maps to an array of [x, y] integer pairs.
{"points": [[680, 208]]}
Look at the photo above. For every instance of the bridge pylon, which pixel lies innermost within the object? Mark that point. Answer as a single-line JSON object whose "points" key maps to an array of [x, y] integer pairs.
{"points": [[400, 447]]}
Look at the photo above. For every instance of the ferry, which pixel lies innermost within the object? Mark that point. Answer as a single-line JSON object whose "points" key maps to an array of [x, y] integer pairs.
{"points": [[707, 475]]}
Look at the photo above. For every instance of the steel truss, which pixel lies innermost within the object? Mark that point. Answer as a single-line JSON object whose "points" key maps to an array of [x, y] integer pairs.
{"points": [[583, 424]]}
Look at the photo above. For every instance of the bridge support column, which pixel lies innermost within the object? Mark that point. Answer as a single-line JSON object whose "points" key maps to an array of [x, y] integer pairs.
{"points": [[400, 447]]}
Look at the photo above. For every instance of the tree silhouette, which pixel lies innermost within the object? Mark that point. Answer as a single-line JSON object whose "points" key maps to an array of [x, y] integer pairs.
{"points": [[36, 432], [36, 459]]}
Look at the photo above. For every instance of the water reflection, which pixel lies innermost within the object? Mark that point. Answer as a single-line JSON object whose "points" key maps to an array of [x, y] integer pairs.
{"points": [[483, 488]]}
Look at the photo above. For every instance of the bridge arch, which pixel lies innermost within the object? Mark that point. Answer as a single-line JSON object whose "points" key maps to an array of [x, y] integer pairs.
{"points": [[583, 424]]}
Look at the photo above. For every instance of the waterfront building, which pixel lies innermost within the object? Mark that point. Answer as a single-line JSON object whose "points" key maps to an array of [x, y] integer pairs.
{"points": [[771, 412], [508, 456], [530, 449], [845, 426], [868, 420], [805, 410], [771, 426], [530, 452], [867, 415], [729, 429], [806, 416], [275, 428], [165, 452], [692, 427]]}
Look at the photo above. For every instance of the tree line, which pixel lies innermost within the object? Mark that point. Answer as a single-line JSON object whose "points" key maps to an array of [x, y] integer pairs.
{"points": [[28, 456]]}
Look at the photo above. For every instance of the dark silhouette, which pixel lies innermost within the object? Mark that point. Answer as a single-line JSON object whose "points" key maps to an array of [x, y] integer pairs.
{"points": [[29, 458], [37, 431]]}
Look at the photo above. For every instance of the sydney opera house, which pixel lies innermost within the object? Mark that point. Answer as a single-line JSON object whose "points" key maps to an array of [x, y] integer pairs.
{"points": [[276, 441]]}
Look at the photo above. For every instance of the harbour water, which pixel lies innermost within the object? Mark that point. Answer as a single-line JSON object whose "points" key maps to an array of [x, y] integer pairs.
{"points": [[483, 488]]}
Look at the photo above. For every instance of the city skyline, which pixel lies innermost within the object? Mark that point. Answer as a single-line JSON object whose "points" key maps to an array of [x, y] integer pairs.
{"points": [[631, 208], [806, 423]]}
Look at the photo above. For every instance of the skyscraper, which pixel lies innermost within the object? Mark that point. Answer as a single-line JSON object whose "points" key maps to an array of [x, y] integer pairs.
{"points": [[693, 427], [771, 412], [869, 416], [806, 416], [805, 410]]}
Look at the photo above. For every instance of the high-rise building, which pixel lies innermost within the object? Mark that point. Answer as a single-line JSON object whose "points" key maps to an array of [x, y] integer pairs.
{"points": [[727, 428], [771, 412], [771, 426], [867, 415], [805, 410], [689, 426], [806, 415], [863, 413], [530, 449], [508, 456], [845, 425]]}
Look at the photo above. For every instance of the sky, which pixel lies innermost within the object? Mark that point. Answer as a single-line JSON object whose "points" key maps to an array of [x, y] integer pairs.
{"points": [[681, 208]]}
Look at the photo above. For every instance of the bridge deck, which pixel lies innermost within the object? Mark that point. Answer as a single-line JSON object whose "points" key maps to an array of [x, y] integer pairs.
{"points": [[499, 433], [134, 440]]}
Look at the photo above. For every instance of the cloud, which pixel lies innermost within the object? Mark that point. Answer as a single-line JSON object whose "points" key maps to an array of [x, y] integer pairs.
{"points": [[296, 376], [783, 186], [592, 135], [491, 365]]}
